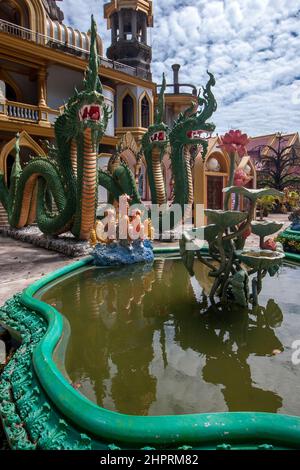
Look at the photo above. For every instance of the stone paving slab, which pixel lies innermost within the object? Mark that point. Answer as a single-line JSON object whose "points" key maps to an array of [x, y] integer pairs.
{"points": [[21, 264]]}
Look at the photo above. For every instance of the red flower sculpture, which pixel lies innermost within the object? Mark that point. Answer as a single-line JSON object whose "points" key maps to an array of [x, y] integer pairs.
{"points": [[269, 244], [235, 141], [241, 178]]}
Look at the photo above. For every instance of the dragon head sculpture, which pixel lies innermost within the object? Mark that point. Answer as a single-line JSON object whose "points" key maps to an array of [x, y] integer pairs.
{"points": [[191, 126], [87, 109]]}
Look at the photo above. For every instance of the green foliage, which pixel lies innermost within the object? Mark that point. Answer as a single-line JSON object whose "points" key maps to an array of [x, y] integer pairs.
{"points": [[266, 204], [291, 199], [291, 243]]}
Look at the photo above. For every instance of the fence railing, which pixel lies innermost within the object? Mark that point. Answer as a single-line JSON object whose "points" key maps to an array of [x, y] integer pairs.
{"points": [[24, 112], [180, 88], [47, 41]]}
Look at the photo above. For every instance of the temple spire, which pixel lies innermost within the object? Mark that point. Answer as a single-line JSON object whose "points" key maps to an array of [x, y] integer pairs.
{"points": [[129, 22]]}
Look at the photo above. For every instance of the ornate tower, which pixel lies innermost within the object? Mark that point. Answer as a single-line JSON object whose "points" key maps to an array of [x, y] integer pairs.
{"points": [[128, 21]]}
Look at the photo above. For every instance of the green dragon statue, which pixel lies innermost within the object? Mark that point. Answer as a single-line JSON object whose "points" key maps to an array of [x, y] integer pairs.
{"points": [[154, 146], [189, 130], [70, 175]]}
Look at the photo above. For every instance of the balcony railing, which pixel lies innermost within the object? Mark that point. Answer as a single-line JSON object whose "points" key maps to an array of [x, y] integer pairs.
{"points": [[47, 41], [24, 112], [27, 112], [178, 88]]}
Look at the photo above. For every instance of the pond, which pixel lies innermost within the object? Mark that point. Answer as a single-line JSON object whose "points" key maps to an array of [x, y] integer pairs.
{"points": [[144, 340]]}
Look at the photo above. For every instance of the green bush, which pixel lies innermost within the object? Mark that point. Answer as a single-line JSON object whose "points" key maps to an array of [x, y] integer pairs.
{"points": [[291, 243]]}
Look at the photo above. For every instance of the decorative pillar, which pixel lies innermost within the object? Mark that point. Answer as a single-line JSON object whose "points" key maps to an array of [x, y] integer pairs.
{"points": [[42, 96], [2, 100], [2, 91], [121, 25], [134, 24], [42, 84]]}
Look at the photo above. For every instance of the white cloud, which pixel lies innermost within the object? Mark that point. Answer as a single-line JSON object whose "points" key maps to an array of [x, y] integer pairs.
{"points": [[252, 46]]}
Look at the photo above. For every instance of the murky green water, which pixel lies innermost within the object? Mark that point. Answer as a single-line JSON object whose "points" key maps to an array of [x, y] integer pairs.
{"points": [[143, 341]]}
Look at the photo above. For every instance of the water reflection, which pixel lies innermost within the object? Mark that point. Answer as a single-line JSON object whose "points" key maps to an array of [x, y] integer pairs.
{"points": [[143, 342], [229, 335]]}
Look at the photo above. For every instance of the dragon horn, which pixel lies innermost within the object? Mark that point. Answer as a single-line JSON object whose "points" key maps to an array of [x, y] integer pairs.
{"points": [[17, 145], [160, 110], [208, 100], [164, 83], [92, 80], [211, 100]]}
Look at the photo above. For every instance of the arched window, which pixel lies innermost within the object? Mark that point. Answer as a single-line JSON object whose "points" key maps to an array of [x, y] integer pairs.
{"points": [[9, 12], [11, 95], [128, 111], [16, 12], [145, 112]]}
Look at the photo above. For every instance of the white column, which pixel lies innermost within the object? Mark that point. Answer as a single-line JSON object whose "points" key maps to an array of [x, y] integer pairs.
{"points": [[2, 97]]}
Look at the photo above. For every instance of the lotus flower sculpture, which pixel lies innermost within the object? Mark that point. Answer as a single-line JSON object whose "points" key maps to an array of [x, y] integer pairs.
{"points": [[235, 141]]}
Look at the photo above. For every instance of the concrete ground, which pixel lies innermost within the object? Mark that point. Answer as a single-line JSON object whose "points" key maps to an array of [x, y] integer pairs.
{"points": [[21, 263]]}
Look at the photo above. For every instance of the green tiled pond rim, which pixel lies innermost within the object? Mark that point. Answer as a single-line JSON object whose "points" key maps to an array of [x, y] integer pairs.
{"points": [[239, 429]]}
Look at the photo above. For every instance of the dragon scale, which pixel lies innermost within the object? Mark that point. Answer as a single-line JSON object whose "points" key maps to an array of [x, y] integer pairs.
{"points": [[189, 175], [73, 155], [89, 186], [158, 177]]}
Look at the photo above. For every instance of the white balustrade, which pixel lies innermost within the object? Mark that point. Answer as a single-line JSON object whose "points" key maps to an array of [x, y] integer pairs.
{"points": [[22, 111]]}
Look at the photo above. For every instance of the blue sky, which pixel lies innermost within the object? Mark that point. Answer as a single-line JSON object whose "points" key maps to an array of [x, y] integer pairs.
{"points": [[252, 47]]}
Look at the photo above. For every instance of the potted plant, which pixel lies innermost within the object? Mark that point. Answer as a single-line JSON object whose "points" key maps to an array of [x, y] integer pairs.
{"points": [[265, 205]]}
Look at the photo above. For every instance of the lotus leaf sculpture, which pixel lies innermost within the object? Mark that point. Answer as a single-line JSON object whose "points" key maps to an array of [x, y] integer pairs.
{"points": [[225, 219], [252, 194], [265, 228], [260, 259], [207, 232]]}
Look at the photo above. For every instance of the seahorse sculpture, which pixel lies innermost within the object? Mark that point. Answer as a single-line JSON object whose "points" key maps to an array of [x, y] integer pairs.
{"points": [[189, 129], [69, 176]]}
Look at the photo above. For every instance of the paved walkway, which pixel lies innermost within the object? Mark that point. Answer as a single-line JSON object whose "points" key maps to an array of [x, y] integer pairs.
{"points": [[21, 263]]}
